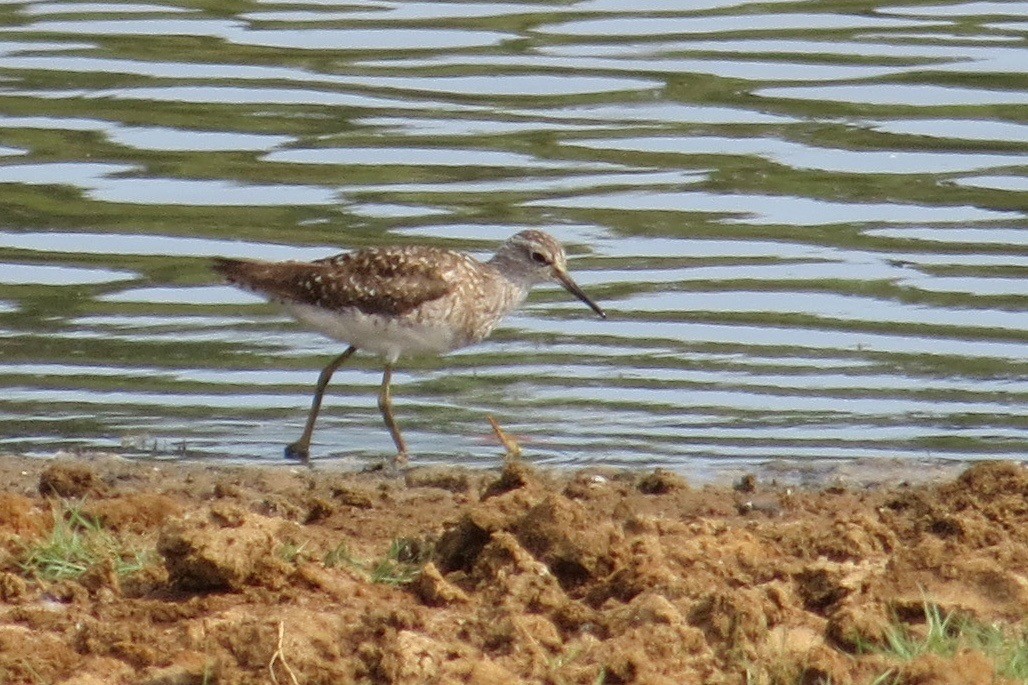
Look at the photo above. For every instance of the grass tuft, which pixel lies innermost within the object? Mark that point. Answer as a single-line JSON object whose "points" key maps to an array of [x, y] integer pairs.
{"points": [[401, 565], [76, 544], [948, 634], [292, 552]]}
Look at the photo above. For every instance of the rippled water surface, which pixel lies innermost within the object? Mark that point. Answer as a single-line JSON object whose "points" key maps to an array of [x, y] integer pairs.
{"points": [[805, 219]]}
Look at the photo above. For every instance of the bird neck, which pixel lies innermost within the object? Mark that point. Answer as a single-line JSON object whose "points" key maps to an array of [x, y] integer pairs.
{"points": [[517, 279], [515, 271]]}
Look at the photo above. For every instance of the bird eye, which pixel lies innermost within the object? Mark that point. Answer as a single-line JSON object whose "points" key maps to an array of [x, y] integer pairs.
{"points": [[539, 258]]}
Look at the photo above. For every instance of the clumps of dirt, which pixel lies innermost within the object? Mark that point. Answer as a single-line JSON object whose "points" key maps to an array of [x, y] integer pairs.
{"points": [[70, 480], [514, 476], [964, 668], [459, 482], [132, 512], [670, 592], [20, 516], [225, 550], [543, 578], [661, 482], [434, 590]]}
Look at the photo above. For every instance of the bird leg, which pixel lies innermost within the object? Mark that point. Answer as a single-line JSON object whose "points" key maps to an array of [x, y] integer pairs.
{"points": [[385, 404], [301, 448]]}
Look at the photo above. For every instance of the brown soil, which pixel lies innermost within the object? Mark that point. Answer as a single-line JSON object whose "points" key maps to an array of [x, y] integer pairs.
{"points": [[268, 575]]}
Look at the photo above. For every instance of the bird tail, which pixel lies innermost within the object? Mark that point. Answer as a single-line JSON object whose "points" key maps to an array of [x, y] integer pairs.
{"points": [[248, 274], [277, 281], [230, 269]]}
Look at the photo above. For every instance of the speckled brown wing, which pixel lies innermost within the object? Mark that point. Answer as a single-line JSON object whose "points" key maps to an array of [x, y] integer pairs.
{"points": [[389, 281]]}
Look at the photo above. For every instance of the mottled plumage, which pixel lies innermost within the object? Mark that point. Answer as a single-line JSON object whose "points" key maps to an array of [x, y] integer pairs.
{"points": [[389, 281], [403, 301]]}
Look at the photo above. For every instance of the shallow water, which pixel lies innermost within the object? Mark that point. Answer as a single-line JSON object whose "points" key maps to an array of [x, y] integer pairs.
{"points": [[806, 221]]}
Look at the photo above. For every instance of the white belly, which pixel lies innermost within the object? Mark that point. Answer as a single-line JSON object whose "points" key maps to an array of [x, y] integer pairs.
{"points": [[389, 337]]}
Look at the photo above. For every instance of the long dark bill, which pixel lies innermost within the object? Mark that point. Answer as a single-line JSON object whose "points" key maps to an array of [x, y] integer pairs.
{"points": [[572, 287]]}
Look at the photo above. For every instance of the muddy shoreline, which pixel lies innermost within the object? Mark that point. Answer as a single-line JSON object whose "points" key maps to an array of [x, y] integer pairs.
{"points": [[238, 574]]}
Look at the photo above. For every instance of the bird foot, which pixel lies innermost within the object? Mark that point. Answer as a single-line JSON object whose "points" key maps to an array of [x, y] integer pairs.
{"points": [[298, 451]]}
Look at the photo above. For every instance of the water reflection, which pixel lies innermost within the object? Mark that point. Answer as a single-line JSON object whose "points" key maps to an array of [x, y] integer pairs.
{"points": [[631, 27], [958, 129], [916, 95], [173, 191], [771, 209], [807, 157], [805, 221], [152, 245], [41, 274], [1009, 183]]}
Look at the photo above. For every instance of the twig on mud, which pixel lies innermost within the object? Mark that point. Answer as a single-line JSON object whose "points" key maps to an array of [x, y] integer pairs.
{"points": [[279, 655]]}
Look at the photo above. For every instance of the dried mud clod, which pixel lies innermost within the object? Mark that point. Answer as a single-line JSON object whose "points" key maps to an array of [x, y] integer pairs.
{"points": [[516, 474], [966, 668], [559, 532], [132, 512], [70, 480], [859, 624], [991, 479], [435, 590], [800, 655], [189, 668], [12, 587], [101, 577], [20, 517], [226, 550], [511, 577], [457, 481], [589, 485], [351, 496], [318, 509], [662, 482], [642, 566], [823, 584], [733, 619], [556, 531], [459, 546]]}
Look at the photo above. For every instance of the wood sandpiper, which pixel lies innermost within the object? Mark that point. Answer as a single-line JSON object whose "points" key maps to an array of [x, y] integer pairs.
{"points": [[403, 301]]}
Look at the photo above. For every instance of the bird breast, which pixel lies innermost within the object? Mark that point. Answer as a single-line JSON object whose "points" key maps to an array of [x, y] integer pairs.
{"points": [[387, 336]]}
